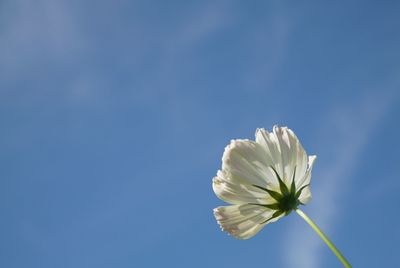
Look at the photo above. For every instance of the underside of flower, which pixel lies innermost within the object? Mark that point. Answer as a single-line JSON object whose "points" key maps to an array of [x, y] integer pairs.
{"points": [[287, 199], [264, 180]]}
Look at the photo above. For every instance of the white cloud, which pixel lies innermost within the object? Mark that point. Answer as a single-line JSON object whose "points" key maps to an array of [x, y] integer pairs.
{"points": [[37, 30], [346, 131], [272, 40]]}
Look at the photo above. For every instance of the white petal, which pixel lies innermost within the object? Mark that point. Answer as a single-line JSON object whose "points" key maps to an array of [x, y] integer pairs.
{"points": [[243, 221], [305, 195], [270, 144], [307, 176], [233, 190], [290, 149], [285, 151], [300, 155], [247, 160]]}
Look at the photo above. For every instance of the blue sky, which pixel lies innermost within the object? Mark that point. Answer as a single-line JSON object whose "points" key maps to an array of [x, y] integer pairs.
{"points": [[114, 116]]}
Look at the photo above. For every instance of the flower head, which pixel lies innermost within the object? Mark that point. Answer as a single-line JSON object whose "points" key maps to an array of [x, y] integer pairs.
{"points": [[264, 180]]}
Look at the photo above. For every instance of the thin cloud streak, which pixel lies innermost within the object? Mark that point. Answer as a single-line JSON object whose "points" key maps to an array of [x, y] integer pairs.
{"points": [[348, 130]]}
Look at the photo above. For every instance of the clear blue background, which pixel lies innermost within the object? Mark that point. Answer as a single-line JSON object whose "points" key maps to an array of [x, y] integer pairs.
{"points": [[114, 116]]}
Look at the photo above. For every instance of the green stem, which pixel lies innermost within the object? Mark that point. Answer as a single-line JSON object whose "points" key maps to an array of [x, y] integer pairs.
{"points": [[325, 238]]}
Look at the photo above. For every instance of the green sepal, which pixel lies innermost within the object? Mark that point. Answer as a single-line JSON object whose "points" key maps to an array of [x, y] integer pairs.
{"points": [[300, 190], [293, 186], [276, 214], [275, 195], [282, 185], [270, 206]]}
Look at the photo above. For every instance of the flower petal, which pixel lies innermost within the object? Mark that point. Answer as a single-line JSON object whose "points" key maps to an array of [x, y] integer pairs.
{"points": [[244, 221], [305, 195], [247, 160], [307, 176], [300, 155], [286, 152], [271, 146], [231, 189], [292, 154]]}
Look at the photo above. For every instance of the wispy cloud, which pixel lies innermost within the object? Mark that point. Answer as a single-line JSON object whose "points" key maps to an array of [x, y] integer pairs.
{"points": [[348, 129], [272, 35], [32, 31]]}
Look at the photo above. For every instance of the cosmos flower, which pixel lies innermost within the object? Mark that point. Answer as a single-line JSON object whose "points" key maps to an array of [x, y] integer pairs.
{"points": [[264, 180]]}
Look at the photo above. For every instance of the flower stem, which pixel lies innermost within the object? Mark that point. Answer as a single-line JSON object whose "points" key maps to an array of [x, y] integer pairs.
{"points": [[325, 238]]}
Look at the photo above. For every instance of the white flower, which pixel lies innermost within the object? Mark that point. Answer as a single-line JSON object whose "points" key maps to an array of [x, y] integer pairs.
{"points": [[264, 180]]}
